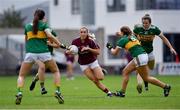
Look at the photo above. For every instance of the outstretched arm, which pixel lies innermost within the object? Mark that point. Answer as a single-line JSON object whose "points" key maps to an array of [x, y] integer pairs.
{"points": [[52, 37], [115, 50], [54, 45], [166, 41]]}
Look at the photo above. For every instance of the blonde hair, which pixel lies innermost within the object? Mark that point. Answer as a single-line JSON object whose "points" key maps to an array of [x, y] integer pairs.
{"points": [[85, 28]]}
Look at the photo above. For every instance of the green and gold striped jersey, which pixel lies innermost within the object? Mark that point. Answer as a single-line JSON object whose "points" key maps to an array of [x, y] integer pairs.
{"points": [[36, 43], [131, 44], [146, 37]]}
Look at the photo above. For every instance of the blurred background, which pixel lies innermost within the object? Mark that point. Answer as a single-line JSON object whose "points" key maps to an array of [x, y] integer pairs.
{"points": [[102, 17]]}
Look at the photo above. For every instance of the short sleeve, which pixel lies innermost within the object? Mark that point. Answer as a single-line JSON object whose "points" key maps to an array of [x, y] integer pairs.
{"points": [[135, 30], [94, 45], [46, 26], [54, 33], [157, 31], [73, 42], [120, 43]]}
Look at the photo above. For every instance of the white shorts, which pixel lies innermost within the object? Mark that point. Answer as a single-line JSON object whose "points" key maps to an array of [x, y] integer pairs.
{"points": [[91, 65], [33, 57], [141, 60], [151, 56]]}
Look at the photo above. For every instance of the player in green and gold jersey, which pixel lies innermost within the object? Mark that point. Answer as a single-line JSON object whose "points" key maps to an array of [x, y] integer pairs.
{"points": [[36, 35], [138, 63], [146, 33]]}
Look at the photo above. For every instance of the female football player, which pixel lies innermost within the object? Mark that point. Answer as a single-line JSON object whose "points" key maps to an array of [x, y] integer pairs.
{"points": [[41, 67], [36, 34], [88, 52], [146, 33], [138, 63]]}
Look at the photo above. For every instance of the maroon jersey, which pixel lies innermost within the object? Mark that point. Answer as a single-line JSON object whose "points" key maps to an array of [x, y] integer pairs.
{"points": [[69, 57], [85, 57]]}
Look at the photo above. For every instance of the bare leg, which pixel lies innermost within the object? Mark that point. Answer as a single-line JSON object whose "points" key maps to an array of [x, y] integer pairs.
{"points": [[70, 70], [54, 69], [140, 82], [41, 71], [25, 67], [56, 75], [143, 71], [126, 71], [39, 76], [96, 75]]}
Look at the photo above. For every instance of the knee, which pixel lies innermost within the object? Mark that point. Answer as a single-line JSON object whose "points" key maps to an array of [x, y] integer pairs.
{"points": [[42, 68], [101, 77]]}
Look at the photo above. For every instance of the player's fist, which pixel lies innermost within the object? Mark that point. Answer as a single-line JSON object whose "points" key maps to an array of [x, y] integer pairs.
{"points": [[109, 46]]}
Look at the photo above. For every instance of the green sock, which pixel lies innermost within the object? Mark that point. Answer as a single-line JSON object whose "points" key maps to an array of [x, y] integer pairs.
{"points": [[42, 84], [19, 90], [58, 88]]}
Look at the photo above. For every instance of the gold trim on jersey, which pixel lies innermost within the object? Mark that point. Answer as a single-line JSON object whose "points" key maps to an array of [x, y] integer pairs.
{"points": [[146, 37], [40, 35], [131, 44]]}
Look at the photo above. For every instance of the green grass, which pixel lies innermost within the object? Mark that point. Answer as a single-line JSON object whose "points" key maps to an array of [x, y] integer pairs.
{"points": [[81, 93]]}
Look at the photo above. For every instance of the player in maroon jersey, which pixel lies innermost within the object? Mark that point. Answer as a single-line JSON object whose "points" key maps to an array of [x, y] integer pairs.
{"points": [[88, 52]]}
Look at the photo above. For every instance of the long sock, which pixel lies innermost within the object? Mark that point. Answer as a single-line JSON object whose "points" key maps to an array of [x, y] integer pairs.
{"points": [[146, 83], [19, 90], [58, 88], [42, 84]]}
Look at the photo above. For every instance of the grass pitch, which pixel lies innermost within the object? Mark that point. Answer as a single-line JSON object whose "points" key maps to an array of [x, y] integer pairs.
{"points": [[83, 94]]}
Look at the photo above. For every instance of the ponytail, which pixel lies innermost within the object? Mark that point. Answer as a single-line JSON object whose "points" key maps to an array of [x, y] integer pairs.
{"points": [[35, 24], [126, 31], [38, 15]]}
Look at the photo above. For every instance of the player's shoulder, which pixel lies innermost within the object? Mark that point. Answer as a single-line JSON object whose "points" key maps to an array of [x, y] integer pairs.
{"points": [[154, 27], [28, 26], [138, 26], [76, 40]]}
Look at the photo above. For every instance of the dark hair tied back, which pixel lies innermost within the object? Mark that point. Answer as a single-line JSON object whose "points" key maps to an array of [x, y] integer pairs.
{"points": [[147, 16], [126, 30], [38, 15]]}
